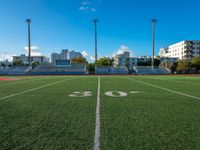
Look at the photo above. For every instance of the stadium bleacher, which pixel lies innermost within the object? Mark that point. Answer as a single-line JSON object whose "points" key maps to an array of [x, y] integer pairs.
{"points": [[111, 70], [77, 69], [74, 69], [14, 70], [149, 70]]}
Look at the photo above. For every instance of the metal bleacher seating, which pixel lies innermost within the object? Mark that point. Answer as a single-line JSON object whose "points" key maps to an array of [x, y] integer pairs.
{"points": [[149, 70], [74, 69], [14, 70], [111, 70]]}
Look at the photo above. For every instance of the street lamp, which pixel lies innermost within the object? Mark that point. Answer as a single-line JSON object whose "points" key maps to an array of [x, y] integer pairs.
{"points": [[153, 21], [29, 40], [95, 31]]}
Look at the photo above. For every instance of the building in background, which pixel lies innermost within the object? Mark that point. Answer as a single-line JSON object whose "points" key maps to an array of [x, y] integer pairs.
{"points": [[73, 54], [125, 60], [5, 63], [64, 58], [181, 50], [167, 59], [25, 59], [144, 61]]}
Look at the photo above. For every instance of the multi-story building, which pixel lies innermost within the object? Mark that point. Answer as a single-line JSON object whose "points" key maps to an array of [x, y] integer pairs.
{"points": [[54, 57], [73, 54], [25, 59], [64, 58], [124, 60], [144, 60], [64, 54], [181, 50]]}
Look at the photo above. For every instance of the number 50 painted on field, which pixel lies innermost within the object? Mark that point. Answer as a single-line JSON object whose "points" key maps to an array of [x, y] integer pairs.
{"points": [[89, 93]]}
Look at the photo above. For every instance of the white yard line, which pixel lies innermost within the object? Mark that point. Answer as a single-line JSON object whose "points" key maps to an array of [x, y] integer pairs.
{"points": [[173, 81], [165, 89], [97, 128], [34, 89], [23, 80]]}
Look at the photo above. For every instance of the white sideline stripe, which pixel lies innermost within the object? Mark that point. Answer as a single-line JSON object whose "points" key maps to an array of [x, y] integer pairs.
{"points": [[173, 81], [34, 89], [22, 81], [97, 128], [165, 89]]}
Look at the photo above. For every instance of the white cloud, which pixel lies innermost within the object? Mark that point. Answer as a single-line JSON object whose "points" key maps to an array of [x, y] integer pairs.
{"points": [[88, 6], [83, 8], [92, 58], [122, 49], [86, 3], [6, 56], [93, 9], [35, 51], [85, 54]]}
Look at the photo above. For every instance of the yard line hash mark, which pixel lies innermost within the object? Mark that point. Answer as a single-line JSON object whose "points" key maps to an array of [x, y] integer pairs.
{"points": [[97, 128]]}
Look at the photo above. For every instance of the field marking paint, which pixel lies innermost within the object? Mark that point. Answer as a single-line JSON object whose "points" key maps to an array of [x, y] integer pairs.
{"points": [[172, 80], [136, 92], [34, 89], [81, 94], [165, 89], [24, 80], [97, 128], [121, 94]]}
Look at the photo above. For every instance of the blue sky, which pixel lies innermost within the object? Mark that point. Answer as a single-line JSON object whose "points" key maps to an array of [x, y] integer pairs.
{"points": [[123, 24]]}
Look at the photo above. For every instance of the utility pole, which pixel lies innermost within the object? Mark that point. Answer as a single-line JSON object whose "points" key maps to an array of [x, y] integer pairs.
{"points": [[29, 40], [95, 31], [153, 21]]}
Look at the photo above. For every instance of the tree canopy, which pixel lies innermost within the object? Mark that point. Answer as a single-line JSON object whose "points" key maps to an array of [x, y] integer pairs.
{"points": [[184, 66], [79, 60], [105, 61], [196, 62], [18, 63]]}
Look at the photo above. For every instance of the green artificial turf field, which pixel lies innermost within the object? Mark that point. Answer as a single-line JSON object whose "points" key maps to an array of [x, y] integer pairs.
{"points": [[136, 112]]}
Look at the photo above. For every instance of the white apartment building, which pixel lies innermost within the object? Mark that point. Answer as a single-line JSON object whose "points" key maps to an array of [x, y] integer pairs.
{"points": [[181, 50]]}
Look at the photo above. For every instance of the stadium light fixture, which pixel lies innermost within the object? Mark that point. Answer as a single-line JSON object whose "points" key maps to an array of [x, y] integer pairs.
{"points": [[153, 21], [95, 32], [29, 40]]}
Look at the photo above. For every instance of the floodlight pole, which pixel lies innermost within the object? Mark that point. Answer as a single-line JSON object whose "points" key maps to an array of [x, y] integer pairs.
{"points": [[153, 40], [29, 41], [95, 32]]}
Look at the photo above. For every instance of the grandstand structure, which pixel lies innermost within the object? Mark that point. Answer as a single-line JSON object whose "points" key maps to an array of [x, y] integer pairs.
{"points": [[137, 70], [148, 70], [79, 69], [48, 69], [73, 69], [14, 70], [111, 70]]}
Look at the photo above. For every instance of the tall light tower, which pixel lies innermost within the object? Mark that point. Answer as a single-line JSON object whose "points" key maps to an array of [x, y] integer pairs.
{"points": [[29, 41], [153, 40], [95, 32]]}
